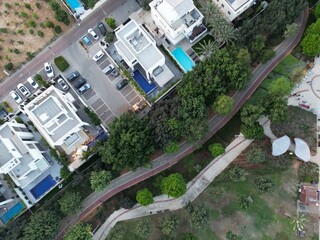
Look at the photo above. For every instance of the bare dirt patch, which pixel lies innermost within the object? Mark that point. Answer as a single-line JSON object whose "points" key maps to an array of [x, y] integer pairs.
{"points": [[19, 27]]}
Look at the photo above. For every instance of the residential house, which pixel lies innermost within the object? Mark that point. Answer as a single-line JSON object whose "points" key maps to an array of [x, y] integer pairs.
{"points": [[54, 114], [177, 19], [233, 8], [138, 49]]}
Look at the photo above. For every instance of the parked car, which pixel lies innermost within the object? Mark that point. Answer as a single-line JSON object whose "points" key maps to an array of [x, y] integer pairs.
{"points": [[16, 97], [80, 83], [122, 84], [84, 88], [98, 56], [24, 90], [32, 82], [49, 70], [73, 76], [63, 84], [103, 44], [93, 34], [115, 72], [102, 28], [86, 40], [108, 69]]}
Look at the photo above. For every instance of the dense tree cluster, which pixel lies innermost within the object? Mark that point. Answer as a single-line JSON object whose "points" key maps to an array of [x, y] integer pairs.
{"points": [[129, 143], [80, 231], [100, 180], [70, 202]]}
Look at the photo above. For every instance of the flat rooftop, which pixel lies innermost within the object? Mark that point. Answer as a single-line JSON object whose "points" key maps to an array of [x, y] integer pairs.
{"points": [[52, 115], [237, 4], [5, 155], [135, 43]]}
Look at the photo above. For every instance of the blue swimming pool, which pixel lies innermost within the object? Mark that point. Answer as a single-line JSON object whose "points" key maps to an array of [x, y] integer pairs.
{"points": [[42, 187], [183, 59], [12, 212], [143, 83], [73, 4]]}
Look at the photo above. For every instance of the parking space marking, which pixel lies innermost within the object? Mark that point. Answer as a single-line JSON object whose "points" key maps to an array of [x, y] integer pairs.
{"points": [[109, 120], [97, 104], [135, 100], [106, 115], [103, 108], [89, 94], [130, 96], [126, 90], [104, 64]]}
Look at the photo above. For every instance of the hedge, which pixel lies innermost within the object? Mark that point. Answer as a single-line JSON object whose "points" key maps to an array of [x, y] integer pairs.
{"points": [[61, 63]]}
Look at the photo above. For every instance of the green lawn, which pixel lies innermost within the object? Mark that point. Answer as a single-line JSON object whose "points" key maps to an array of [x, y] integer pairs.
{"points": [[288, 64]]}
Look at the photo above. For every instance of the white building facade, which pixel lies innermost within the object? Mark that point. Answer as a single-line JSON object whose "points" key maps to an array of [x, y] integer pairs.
{"points": [[233, 8], [177, 19], [20, 156]]}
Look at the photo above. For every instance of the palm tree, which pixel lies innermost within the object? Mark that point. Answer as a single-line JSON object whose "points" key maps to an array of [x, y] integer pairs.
{"points": [[299, 222], [223, 31], [207, 48], [209, 11]]}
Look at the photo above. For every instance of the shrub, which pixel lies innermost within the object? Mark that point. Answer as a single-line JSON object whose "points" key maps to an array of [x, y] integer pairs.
{"points": [[30, 55], [264, 184], [38, 5], [223, 105], [127, 203], [243, 202], [38, 78], [9, 109], [236, 174], [169, 225], [216, 149], [49, 24], [93, 116], [199, 216], [9, 66], [256, 155], [174, 185], [109, 37], [4, 30], [20, 31], [24, 14], [172, 147], [32, 23], [16, 51], [40, 34], [217, 193], [61, 63], [111, 22], [28, 6], [64, 172], [252, 132], [21, 42], [31, 31], [266, 55], [60, 14], [145, 4], [35, 16], [144, 197], [57, 29], [7, 5]]}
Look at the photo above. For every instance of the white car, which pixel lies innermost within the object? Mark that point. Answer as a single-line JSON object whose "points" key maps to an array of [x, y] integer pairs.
{"points": [[24, 90], [93, 34], [32, 82], [15, 96], [49, 70], [98, 56], [63, 84]]}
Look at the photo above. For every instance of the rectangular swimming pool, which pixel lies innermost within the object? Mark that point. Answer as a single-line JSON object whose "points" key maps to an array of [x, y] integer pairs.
{"points": [[73, 4], [42, 187], [183, 59], [12, 212], [143, 83]]}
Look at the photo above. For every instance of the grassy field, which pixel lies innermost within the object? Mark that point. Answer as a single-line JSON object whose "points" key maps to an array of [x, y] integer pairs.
{"points": [[288, 64], [265, 219]]}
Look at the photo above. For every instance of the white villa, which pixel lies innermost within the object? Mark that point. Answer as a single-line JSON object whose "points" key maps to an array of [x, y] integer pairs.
{"points": [[22, 158], [177, 19], [138, 49], [233, 8], [54, 115]]}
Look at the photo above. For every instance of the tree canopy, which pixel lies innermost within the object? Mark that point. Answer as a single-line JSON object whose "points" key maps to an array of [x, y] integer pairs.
{"points": [[216, 149], [223, 105], [100, 180], [42, 226], [80, 231], [280, 87], [250, 114], [144, 197], [311, 42], [129, 145], [169, 225], [70, 202], [174, 185]]}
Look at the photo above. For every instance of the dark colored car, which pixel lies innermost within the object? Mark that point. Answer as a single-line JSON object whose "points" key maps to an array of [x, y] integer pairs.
{"points": [[80, 83], [102, 28], [122, 84], [73, 76]]}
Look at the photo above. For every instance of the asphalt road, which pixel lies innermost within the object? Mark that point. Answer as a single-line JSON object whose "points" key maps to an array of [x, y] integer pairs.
{"points": [[165, 161], [56, 48]]}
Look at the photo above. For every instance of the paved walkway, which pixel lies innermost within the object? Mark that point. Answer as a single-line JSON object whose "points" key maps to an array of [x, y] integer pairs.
{"points": [[194, 189], [215, 123]]}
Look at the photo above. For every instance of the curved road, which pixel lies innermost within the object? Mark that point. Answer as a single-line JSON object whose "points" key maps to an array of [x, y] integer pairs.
{"points": [[215, 123]]}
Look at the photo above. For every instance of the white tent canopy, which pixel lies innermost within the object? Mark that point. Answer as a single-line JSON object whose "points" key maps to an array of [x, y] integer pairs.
{"points": [[280, 145], [302, 150]]}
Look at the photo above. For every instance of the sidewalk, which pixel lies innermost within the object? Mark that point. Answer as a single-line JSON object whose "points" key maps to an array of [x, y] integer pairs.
{"points": [[194, 189]]}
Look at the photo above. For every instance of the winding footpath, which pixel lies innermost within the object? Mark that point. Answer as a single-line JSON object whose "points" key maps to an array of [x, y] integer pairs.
{"points": [[165, 161]]}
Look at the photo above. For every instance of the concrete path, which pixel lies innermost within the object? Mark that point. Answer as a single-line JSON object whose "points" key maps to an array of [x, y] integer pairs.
{"points": [[194, 189], [215, 123]]}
